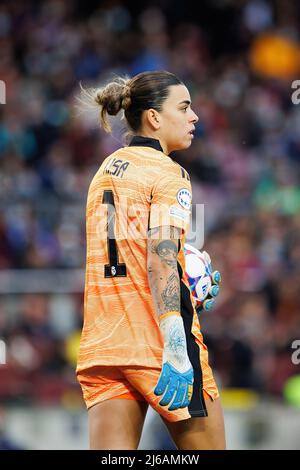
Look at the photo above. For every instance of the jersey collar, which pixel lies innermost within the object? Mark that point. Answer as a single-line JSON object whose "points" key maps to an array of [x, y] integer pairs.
{"points": [[141, 141]]}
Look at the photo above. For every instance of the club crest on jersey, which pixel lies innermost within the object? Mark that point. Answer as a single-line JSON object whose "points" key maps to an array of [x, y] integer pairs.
{"points": [[184, 198]]}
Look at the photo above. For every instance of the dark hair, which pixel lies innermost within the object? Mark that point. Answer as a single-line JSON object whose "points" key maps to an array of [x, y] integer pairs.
{"points": [[134, 95]]}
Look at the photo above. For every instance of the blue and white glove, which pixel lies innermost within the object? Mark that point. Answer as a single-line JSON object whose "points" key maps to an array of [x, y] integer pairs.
{"points": [[213, 291], [175, 382]]}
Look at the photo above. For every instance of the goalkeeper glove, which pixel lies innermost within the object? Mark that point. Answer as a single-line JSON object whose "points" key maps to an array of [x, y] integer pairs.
{"points": [[213, 291]]}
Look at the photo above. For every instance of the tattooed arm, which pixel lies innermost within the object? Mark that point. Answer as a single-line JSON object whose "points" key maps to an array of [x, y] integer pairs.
{"points": [[162, 269], [176, 378]]}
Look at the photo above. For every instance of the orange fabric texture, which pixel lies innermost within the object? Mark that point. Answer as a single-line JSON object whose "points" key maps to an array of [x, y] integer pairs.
{"points": [[120, 323], [132, 383], [136, 188]]}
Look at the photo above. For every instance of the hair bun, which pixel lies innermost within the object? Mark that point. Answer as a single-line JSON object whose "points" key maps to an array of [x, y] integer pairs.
{"points": [[126, 97], [99, 97]]}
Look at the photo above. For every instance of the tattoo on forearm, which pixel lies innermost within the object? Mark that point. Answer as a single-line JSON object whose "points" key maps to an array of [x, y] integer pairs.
{"points": [[171, 294], [166, 250], [177, 343], [165, 291], [164, 281]]}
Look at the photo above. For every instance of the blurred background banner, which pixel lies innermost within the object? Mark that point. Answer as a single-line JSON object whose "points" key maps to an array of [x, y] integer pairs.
{"points": [[240, 60]]}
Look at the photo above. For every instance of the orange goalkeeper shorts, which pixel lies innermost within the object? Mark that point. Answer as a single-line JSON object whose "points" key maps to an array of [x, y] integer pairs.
{"points": [[137, 383]]}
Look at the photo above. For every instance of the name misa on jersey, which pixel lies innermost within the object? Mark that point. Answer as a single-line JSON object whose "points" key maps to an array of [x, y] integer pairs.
{"points": [[116, 167]]}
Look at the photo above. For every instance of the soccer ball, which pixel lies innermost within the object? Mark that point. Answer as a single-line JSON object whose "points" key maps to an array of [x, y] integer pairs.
{"points": [[198, 272]]}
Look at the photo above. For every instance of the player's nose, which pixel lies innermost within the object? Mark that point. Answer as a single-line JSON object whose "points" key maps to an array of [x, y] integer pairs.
{"points": [[194, 117]]}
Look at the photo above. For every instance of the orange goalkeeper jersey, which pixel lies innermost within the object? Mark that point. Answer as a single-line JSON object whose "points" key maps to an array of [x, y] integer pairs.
{"points": [[136, 188]]}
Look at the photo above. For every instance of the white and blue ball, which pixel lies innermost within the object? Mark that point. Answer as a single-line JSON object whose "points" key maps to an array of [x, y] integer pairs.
{"points": [[197, 270]]}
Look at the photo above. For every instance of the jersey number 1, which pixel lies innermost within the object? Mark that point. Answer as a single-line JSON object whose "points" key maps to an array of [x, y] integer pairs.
{"points": [[114, 268]]}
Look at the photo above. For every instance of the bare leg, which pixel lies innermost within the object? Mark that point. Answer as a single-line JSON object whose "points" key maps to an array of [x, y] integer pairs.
{"points": [[200, 433], [116, 424]]}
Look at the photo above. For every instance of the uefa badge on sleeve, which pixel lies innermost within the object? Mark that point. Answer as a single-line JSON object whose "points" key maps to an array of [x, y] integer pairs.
{"points": [[184, 198]]}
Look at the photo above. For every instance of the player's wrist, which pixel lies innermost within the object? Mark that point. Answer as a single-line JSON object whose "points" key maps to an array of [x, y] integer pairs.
{"points": [[168, 314], [170, 324], [174, 338]]}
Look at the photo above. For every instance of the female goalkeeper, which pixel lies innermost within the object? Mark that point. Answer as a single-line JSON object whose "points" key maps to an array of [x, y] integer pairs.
{"points": [[141, 342]]}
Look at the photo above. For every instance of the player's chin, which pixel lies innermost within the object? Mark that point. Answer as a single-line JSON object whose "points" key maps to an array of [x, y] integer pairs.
{"points": [[185, 143], [188, 143]]}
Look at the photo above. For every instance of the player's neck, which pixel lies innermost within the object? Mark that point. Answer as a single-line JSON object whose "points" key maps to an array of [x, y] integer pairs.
{"points": [[149, 135]]}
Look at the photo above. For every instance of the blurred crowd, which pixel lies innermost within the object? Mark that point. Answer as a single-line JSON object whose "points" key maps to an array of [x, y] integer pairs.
{"points": [[244, 165]]}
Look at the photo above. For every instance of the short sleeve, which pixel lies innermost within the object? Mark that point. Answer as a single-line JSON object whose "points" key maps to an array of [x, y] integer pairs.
{"points": [[171, 202]]}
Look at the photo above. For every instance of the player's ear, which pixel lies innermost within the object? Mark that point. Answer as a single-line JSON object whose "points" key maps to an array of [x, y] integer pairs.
{"points": [[153, 118]]}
